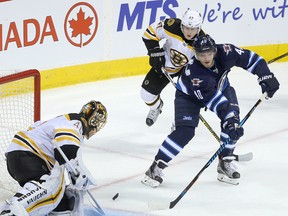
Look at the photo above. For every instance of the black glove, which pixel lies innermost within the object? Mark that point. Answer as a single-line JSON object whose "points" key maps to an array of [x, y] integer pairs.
{"points": [[157, 58], [269, 84], [231, 127]]}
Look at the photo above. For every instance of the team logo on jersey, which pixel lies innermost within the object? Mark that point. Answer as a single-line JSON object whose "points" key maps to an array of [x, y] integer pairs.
{"points": [[187, 118], [178, 59], [227, 49], [170, 22], [196, 81]]}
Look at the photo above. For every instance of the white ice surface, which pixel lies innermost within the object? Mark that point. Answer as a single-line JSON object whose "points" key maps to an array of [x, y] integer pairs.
{"points": [[119, 155]]}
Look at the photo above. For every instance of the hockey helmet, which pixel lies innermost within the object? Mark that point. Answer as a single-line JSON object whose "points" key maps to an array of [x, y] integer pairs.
{"points": [[204, 43], [192, 19], [95, 117]]}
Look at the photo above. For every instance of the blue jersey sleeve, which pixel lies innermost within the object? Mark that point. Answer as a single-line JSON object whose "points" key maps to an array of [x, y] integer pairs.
{"points": [[230, 55]]}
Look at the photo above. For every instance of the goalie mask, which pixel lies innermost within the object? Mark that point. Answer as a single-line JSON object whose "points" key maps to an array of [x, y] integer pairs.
{"points": [[95, 117]]}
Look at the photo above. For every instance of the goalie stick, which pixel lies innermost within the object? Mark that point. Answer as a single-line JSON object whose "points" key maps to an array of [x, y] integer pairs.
{"points": [[97, 206], [162, 206], [242, 157]]}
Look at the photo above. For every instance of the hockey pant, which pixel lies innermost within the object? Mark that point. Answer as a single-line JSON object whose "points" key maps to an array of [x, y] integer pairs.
{"points": [[152, 86]]}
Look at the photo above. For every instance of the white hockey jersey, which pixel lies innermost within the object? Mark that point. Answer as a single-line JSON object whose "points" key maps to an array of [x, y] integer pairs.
{"points": [[38, 138], [178, 51]]}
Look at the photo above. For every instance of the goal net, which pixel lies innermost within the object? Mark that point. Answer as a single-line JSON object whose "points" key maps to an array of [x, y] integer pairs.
{"points": [[19, 108]]}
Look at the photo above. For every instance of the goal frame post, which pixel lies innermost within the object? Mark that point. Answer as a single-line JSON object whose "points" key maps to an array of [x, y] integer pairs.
{"points": [[37, 87]]}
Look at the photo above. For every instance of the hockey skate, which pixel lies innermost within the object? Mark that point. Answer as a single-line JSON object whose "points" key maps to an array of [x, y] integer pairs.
{"points": [[227, 171], [153, 114], [153, 176]]}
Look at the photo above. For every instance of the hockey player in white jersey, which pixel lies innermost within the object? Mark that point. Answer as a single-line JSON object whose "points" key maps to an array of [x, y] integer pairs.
{"points": [[174, 55], [34, 161]]}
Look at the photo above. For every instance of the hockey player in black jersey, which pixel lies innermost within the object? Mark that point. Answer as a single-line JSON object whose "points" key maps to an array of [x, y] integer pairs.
{"points": [[204, 83], [174, 55]]}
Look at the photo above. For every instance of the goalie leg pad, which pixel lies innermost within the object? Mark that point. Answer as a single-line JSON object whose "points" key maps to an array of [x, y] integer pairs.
{"points": [[40, 198], [77, 198], [63, 213]]}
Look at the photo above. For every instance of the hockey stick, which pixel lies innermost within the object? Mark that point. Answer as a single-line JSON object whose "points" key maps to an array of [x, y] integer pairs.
{"points": [[242, 157], [277, 58], [97, 207], [170, 205]]}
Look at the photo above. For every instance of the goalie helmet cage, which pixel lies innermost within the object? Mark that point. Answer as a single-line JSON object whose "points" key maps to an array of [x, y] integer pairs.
{"points": [[19, 108]]}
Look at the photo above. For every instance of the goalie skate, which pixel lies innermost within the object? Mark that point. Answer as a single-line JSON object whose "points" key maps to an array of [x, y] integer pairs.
{"points": [[153, 176], [227, 171]]}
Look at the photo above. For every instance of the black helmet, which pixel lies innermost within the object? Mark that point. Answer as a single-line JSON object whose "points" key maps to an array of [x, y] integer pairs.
{"points": [[95, 117], [204, 43]]}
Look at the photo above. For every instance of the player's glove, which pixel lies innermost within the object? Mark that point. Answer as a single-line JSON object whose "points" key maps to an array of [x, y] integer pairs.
{"points": [[269, 84], [157, 58], [79, 175], [231, 127], [80, 179]]}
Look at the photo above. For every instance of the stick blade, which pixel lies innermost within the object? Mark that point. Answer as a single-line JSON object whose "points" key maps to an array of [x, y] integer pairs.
{"points": [[158, 205], [245, 157]]}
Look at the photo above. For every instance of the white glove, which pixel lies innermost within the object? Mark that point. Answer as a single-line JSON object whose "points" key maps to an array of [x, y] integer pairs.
{"points": [[79, 175], [78, 179]]}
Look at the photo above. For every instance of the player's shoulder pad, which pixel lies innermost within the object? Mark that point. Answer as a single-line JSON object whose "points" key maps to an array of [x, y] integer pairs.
{"points": [[173, 25]]}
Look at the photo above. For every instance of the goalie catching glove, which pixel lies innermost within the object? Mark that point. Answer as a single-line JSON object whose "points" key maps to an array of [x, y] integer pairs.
{"points": [[157, 58], [231, 127], [269, 84]]}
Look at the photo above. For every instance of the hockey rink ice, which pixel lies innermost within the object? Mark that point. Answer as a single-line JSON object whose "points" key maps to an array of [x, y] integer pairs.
{"points": [[119, 155]]}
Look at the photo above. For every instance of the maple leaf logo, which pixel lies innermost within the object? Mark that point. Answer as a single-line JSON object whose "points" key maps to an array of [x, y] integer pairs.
{"points": [[81, 25]]}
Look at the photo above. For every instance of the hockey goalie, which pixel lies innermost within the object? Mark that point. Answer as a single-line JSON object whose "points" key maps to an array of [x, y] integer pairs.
{"points": [[39, 158]]}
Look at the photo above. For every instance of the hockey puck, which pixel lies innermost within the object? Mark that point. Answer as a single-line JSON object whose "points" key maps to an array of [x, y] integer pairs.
{"points": [[115, 196]]}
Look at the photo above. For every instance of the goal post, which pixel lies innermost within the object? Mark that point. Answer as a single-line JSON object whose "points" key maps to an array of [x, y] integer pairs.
{"points": [[35, 75], [20, 95]]}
